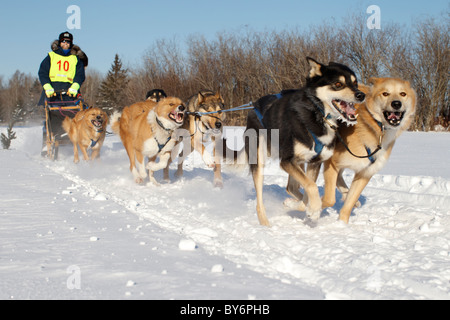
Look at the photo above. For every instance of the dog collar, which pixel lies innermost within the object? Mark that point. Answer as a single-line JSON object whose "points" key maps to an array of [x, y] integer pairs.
{"points": [[160, 124]]}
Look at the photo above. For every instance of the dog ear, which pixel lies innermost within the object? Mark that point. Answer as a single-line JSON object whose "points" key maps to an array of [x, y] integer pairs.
{"points": [[315, 67], [200, 98], [218, 96], [373, 81]]}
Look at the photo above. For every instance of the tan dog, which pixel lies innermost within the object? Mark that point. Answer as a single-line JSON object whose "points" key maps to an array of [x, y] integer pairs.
{"points": [[149, 134], [388, 111], [201, 128], [87, 130]]}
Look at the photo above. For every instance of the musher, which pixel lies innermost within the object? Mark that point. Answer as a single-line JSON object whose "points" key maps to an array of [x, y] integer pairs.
{"points": [[63, 68]]}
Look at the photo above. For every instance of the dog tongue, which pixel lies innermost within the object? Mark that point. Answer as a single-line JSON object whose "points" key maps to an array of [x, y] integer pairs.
{"points": [[348, 108], [393, 115]]}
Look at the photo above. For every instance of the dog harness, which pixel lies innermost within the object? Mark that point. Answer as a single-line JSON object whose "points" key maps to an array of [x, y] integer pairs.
{"points": [[94, 142], [162, 145], [318, 145], [259, 114], [370, 154]]}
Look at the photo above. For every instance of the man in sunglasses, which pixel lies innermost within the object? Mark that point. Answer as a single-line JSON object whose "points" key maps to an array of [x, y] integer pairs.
{"points": [[62, 68]]}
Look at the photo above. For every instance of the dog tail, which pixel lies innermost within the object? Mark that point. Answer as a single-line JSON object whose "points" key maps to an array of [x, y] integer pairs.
{"points": [[67, 123], [115, 122]]}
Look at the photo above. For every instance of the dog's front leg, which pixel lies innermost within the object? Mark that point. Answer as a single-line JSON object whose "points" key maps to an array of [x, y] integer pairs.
{"points": [[358, 184], [296, 200], [330, 174], [200, 148], [300, 200], [138, 171], [314, 206], [84, 152], [95, 153], [343, 188], [163, 160], [217, 166], [152, 178]]}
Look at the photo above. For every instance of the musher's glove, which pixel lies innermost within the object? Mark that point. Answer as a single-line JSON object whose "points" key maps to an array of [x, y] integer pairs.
{"points": [[73, 90], [49, 91]]}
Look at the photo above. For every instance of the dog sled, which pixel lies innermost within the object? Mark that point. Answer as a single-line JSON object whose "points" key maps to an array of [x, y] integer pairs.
{"points": [[57, 108]]}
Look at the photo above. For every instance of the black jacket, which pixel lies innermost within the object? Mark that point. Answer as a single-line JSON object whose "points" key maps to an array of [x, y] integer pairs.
{"points": [[44, 69]]}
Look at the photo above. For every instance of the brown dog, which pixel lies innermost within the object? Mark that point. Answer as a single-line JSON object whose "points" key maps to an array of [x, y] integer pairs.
{"points": [[388, 112], [201, 128], [87, 130], [146, 130]]}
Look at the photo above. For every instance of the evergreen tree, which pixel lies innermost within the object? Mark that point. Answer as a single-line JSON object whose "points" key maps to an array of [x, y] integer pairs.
{"points": [[10, 135], [112, 89]]}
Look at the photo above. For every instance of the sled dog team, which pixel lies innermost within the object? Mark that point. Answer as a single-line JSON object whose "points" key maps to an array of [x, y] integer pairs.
{"points": [[333, 120]]}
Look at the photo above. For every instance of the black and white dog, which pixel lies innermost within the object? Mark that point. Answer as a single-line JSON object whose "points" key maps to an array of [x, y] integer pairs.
{"points": [[306, 120], [155, 95]]}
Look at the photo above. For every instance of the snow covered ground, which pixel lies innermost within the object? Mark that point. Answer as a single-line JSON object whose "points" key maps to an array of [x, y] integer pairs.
{"points": [[87, 231]]}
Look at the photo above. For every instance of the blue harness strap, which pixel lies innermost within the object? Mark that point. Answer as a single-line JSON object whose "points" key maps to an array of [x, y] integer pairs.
{"points": [[162, 145], [370, 155], [93, 143], [318, 145], [260, 116]]}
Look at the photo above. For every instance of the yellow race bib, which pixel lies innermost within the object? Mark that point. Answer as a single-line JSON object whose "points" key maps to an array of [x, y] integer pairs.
{"points": [[62, 68]]}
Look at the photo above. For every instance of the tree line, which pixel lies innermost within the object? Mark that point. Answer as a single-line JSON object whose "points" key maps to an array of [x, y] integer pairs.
{"points": [[245, 65]]}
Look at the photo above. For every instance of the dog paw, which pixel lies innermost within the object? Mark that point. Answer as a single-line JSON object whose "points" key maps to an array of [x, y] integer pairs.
{"points": [[313, 215], [208, 159], [291, 203], [153, 182], [178, 173], [218, 184], [295, 204]]}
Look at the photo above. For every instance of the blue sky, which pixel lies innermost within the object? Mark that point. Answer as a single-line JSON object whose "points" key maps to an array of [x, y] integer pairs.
{"points": [[129, 28]]}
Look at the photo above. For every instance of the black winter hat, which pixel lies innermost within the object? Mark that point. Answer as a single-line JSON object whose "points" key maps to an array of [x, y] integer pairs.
{"points": [[65, 35]]}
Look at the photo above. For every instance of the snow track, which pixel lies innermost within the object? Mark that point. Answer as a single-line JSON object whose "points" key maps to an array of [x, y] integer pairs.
{"points": [[396, 245]]}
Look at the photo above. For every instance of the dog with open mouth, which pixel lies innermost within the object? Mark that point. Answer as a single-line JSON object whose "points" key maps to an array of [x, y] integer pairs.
{"points": [[149, 134], [87, 130], [306, 121], [203, 128], [365, 148]]}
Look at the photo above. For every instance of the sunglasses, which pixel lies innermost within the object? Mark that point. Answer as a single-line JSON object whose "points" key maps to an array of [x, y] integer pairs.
{"points": [[66, 41]]}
